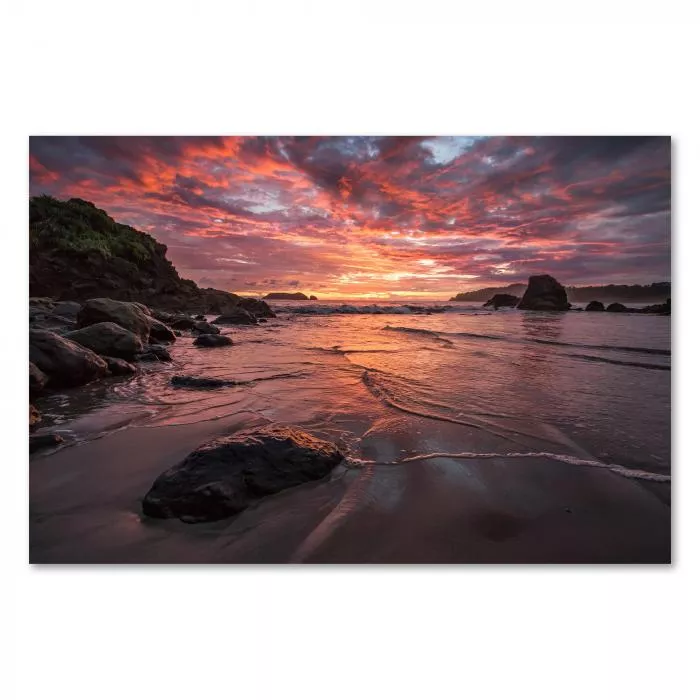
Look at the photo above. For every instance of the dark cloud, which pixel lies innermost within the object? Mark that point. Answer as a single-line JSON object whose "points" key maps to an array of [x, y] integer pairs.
{"points": [[355, 214]]}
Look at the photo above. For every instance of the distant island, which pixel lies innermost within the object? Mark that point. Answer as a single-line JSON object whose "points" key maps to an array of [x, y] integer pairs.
{"points": [[294, 296], [657, 291]]}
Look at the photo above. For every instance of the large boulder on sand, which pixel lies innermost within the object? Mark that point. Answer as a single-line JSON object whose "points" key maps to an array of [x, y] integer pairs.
{"points": [[108, 338], [498, 300], [127, 314], [64, 362], [544, 293], [595, 306], [209, 340], [236, 317], [223, 477]]}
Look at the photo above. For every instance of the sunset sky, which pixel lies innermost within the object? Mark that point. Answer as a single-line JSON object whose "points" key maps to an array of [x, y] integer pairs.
{"points": [[344, 217]]}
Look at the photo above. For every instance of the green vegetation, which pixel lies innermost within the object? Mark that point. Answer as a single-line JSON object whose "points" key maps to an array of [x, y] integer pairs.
{"points": [[79, 226]]}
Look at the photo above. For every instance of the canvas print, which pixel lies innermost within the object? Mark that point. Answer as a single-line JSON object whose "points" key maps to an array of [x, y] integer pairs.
{"points": [[350, 349]]}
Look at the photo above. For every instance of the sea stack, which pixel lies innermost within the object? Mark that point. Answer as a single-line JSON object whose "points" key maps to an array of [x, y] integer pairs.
{"points": [[544, 293]]}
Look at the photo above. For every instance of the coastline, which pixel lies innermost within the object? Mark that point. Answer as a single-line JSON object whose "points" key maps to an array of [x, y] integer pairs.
{"points": [[85, 506]]}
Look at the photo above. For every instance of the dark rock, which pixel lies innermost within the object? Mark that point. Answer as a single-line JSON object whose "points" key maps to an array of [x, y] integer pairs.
{"points": [[37, 380], [34, 417], [544, 293], [128, 315], [64, 362], [200, 317], [67, 309], [262, 320], [595, 306], [208, 340], [498, 300], [204, 327], [119, 367], [163, 316], [108, 338], [223, 477], [160, 333], [617, 308], [313, 298], [42, 442], [181, 380], [50, 321], [155, 353], [236, 317], [257, 307], [43, 303], [182, 322]]}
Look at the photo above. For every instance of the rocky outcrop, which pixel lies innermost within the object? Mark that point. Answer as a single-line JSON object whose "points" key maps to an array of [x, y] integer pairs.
{"points": [[595, 306], [108, 338], [119, 367], [207, 340], [239, 317], [617, 308], [295, 296], [37, 380], [78, 252], [64, 362], [498, 300], [125, 314], [313, 298], [225, 476], [544, 293]]}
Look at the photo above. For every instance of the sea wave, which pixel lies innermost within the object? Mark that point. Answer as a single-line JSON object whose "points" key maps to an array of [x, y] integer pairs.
{"points": [[329, 309], [566, 459], [539, 341]]}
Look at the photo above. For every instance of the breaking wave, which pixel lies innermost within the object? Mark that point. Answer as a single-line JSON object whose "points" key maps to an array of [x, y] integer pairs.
{"points": [[566, 459]]}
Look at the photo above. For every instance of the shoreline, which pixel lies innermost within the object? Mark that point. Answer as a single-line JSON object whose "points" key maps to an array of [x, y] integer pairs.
{"points": [[85, 506]]}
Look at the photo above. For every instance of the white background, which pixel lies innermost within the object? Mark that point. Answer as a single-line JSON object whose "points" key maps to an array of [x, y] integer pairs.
{"points": [[326, 67]]}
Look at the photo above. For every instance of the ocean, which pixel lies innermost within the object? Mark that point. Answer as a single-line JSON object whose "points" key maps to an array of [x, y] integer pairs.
{"points": [[420, 400]]}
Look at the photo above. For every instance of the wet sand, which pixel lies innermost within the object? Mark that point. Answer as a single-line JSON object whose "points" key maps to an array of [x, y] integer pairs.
{"points": [[85, 505]]}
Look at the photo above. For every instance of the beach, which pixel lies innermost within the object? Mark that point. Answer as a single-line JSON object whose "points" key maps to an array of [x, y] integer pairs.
{"points": [[469, 436]]}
